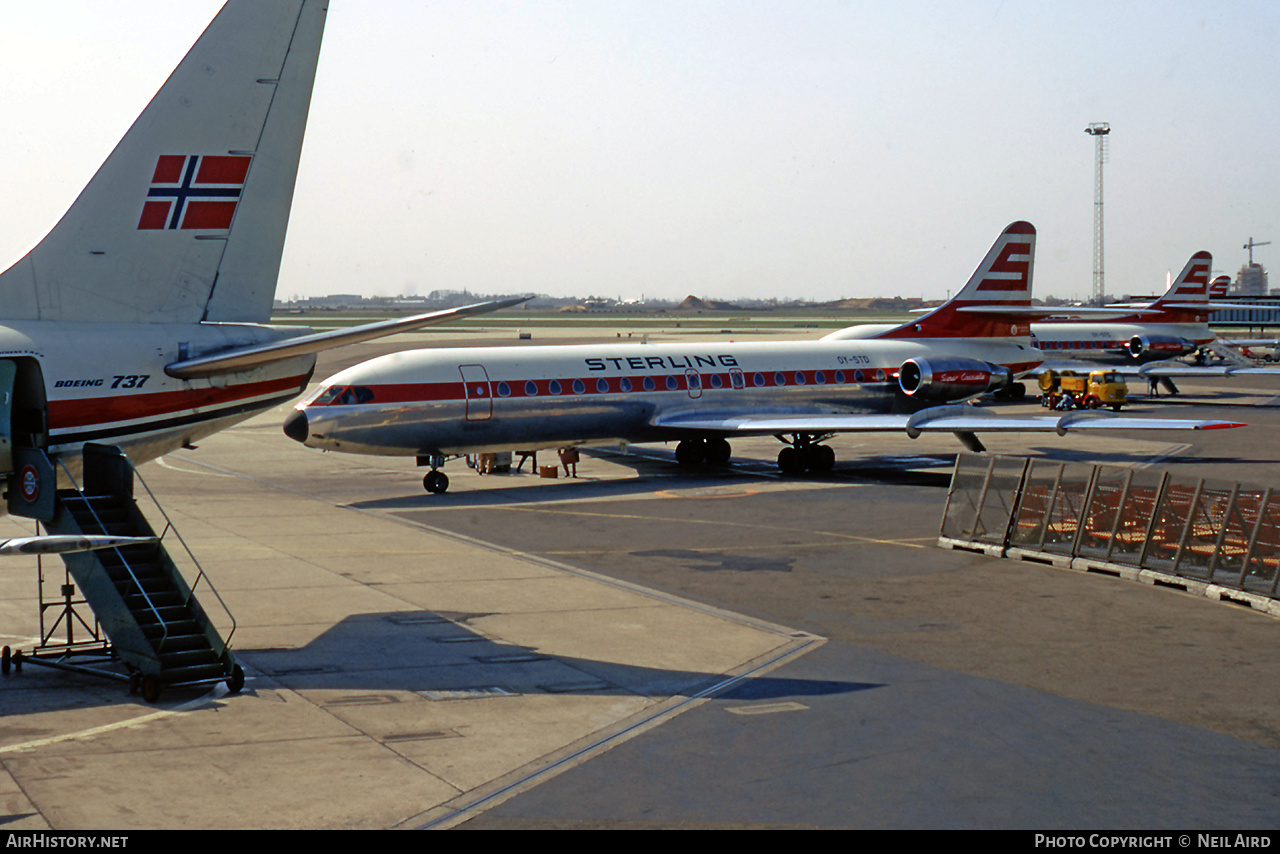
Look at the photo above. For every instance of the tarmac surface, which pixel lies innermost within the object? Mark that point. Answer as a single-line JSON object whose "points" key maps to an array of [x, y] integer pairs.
{"points": [[643, 646]]}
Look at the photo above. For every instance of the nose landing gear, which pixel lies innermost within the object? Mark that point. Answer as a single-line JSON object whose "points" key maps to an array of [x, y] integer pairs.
{"points": [[436, 481]]}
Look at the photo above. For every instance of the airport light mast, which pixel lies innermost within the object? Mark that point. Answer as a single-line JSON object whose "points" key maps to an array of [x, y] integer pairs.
{"points": [[1099, 131]]}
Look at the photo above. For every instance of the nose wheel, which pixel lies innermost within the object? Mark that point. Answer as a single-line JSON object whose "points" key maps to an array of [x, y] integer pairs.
{"points": [[435, 482]]}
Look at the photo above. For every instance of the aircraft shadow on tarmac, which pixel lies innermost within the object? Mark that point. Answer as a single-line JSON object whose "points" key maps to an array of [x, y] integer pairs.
{"points": [[653, 473], [437, 655], [543, 492]]}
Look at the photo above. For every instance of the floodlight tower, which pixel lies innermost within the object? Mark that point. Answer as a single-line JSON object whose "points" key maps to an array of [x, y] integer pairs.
{"points": [[1099, 131]]}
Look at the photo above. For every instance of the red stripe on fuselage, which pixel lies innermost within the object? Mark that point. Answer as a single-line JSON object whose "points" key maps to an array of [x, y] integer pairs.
{"points": [[88, 411], [394, 393]]}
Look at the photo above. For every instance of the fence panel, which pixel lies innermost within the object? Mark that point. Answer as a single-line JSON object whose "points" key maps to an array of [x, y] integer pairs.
{"points": [[1218, 532]]}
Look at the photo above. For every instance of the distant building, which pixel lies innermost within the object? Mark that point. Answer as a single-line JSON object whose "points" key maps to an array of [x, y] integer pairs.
{"points": [[1251, 281]]}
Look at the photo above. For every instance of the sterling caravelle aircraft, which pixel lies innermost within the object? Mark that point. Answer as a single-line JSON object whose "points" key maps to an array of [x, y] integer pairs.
{"points": [[138, 320], [1173, 325], [432, 404]]}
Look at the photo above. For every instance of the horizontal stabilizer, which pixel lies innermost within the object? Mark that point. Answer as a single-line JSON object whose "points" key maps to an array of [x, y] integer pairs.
{"points": [[1212, 306], [244, 358], [1046, 313]]}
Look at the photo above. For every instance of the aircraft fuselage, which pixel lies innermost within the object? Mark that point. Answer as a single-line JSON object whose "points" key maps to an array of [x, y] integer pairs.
{"points": [[105, 382], [1116, 341], [446, 402]]}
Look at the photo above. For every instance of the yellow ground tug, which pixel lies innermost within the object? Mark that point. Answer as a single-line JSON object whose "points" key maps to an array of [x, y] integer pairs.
{"points": [[1070, 390]]}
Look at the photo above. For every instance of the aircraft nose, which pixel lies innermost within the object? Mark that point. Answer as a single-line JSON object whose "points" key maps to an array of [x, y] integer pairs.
{"points": [[295, 426]]}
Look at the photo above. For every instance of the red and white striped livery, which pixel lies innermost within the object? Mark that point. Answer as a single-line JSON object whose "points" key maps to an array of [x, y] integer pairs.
{"points": [[433, 404], [1173, 325]]}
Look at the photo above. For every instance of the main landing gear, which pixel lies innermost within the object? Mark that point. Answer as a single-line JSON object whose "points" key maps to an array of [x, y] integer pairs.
{"points": [[436, 481], [805, 453], [713, 452]]}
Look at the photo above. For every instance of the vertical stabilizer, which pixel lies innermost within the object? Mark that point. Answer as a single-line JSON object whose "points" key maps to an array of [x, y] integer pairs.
{"points": [[1002, 282], [1190, 289], [186, 219]]}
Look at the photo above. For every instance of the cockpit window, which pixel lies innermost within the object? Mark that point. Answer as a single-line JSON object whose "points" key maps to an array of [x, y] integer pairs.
{"points": [[343, 395], [329, 394], [354, 394]]}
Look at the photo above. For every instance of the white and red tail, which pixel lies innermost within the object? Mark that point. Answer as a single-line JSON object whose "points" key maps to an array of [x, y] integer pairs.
{"points": [[1187, 299], [186, 219], [991, 303]]}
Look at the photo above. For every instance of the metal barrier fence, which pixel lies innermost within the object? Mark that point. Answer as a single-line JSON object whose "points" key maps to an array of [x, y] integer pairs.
{"points": [[1222, 534]]}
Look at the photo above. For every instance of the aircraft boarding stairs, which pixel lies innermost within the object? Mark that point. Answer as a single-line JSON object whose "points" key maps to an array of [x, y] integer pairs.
{"points": [[140, 599], [1229, 354]]}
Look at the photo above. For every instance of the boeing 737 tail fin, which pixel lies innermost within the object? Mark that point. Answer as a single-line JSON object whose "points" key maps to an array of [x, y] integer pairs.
{"points": [[994, 303], [186, 219]]}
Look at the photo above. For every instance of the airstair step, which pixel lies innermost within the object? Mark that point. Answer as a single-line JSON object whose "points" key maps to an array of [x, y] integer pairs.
{"points": [[151, 577], [196, 673], [188, 658], [155, 631], [167, 599], [183, 643]]}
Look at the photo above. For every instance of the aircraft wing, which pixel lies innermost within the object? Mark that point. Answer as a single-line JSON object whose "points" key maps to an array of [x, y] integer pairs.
{"points": [[1081, 367], [1250, 342], [938, 419], [1179, 369], [67, 543], [1155, 369], [242, 358]]}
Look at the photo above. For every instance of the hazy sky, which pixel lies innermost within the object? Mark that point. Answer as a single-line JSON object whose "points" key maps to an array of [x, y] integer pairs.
{"points": [[807, 148]]}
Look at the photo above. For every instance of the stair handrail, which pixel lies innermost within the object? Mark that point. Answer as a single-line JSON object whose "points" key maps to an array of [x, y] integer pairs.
{"points": [[164, 626], [168, 526], [200, 573]]}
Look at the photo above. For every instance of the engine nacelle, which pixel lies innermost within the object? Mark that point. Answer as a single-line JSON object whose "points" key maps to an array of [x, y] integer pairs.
{"points": [[1159, 346], [950, 378]]}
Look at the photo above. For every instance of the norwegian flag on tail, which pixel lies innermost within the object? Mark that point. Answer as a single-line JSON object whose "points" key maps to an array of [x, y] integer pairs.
{"points": [[194, 191]]}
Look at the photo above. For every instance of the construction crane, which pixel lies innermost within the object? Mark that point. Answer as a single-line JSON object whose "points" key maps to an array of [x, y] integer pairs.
{"points": [[1252, 243]]}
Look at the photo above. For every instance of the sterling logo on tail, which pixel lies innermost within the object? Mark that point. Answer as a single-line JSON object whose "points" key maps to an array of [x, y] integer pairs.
{"points": [[1006, 274], [1195, 282], [192, 191]]}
